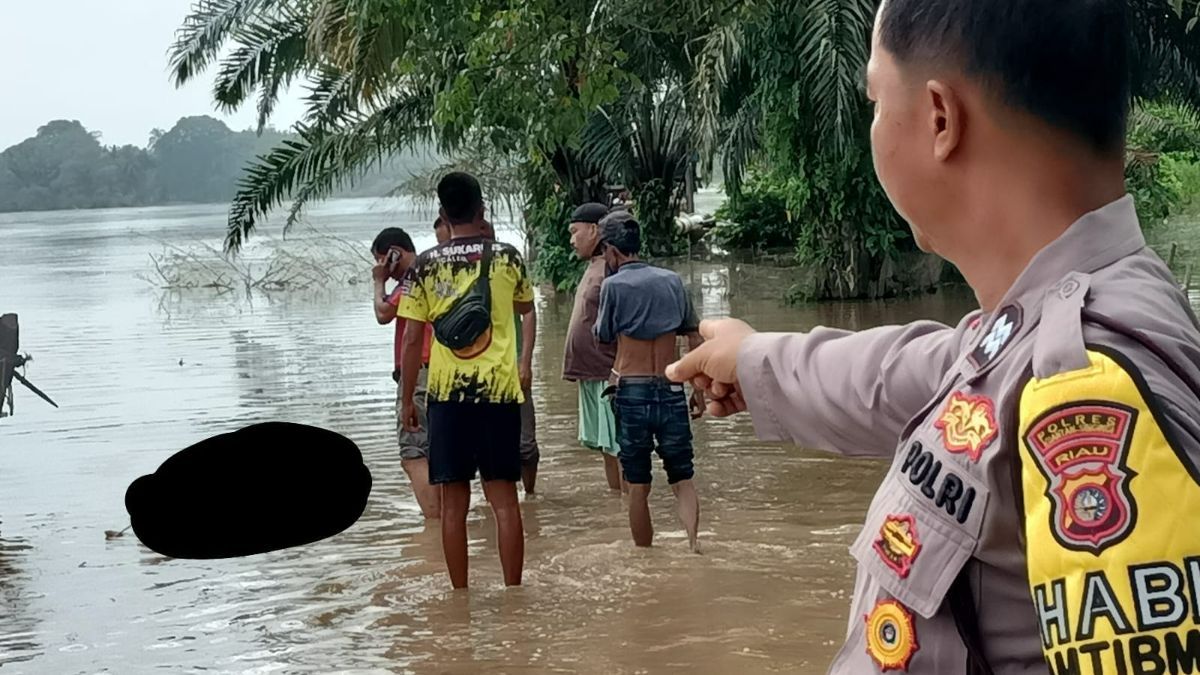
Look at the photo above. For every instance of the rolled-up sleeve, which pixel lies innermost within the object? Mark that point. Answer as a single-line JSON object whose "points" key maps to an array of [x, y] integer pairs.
{"points": [[842, 391]]}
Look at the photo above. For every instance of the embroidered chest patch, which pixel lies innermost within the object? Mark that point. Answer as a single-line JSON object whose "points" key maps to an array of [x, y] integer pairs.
{"points": [[891, 636], [898, 543], [1081, 449], [968, 424], [1005, 325]]}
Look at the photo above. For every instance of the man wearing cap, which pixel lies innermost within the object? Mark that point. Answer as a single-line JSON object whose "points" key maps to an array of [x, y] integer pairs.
{"points": [[1045, 450], [644, 309], [586, 360]]}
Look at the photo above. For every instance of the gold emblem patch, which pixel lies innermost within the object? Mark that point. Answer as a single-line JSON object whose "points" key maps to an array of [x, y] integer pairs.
{"points": [[891, 637], [968, 424], [898, 543]]}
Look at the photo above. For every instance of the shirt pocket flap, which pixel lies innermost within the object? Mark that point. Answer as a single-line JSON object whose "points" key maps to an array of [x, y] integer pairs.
{"points": [[915, 549]]}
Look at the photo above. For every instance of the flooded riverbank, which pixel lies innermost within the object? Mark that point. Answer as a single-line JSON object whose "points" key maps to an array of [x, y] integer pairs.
{"points": [[141, 374]]}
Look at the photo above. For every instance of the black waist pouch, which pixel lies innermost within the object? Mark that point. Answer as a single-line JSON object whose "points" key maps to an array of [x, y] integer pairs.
{"points": [[470, 317]]}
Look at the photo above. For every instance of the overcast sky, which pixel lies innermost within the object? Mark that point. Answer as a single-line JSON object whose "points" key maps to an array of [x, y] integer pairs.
{"points": [[104, 63]]}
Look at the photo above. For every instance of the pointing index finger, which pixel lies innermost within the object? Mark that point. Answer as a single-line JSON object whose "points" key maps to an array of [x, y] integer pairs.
{"points": [[691, 365]]}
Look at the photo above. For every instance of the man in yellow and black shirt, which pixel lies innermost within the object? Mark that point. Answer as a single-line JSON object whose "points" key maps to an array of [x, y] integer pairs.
{"points": [[475, 393]]}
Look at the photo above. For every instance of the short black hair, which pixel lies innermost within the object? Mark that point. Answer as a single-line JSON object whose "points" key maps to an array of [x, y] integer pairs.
{"points": [[392, 236], [621, 230], [1066, 62], [461, 197]]}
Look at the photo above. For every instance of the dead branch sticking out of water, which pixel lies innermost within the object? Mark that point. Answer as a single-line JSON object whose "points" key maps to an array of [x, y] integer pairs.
{"points": [[315, 259]]}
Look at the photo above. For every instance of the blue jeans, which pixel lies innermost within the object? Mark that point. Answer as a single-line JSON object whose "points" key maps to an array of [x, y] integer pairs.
{"points": [[652, 410]]}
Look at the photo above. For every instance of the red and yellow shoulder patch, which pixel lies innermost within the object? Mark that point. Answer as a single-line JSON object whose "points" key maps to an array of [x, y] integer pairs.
{"points": [[1081, 449]]}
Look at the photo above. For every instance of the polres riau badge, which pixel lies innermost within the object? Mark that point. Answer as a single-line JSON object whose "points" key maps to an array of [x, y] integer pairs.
{"points": [[891, 636], [1081, 448], [898, 543]]}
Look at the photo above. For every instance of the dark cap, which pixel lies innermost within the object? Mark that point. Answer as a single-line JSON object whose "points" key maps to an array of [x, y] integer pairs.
{"points": [[589, 213], [621, 230]]}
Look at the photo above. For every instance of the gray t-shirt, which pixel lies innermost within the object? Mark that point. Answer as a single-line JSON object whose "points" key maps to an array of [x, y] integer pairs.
{"points": [[643, 302]]}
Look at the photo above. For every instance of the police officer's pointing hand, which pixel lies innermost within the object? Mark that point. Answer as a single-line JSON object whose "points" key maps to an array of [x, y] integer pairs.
{"points": [[712, 367]]}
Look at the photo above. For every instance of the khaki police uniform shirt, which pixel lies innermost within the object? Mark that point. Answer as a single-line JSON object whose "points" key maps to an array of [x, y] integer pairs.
{"points": [[945, 404]]}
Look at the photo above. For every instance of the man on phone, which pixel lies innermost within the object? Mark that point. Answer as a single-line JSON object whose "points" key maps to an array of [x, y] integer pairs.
{"points": [[394, 255]]}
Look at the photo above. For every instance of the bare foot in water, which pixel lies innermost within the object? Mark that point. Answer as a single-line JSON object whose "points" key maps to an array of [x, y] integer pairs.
{"points": [[688, 504]]}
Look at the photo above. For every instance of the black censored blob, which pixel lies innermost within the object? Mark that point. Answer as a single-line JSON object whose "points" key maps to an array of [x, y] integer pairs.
{"points": [[263, 488]]}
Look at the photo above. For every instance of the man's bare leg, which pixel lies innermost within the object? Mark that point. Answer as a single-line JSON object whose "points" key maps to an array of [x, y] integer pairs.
{"points": [[612, 471], [688, 503], [639, 515], [429, 497], [456, 500], [510, 534]]}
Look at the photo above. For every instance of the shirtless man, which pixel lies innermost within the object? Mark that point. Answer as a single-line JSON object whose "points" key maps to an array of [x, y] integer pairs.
{"points": [[644, 309]]}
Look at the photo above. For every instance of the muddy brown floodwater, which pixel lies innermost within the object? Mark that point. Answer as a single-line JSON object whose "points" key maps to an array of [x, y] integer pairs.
{"points": [[141, 374]]}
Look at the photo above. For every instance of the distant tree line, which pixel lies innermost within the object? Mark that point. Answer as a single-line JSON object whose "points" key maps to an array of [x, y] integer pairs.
{"points": [[199, 160]]}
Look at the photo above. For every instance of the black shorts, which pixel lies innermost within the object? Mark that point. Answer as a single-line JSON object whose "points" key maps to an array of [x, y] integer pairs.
{"points": [[469, 437]]}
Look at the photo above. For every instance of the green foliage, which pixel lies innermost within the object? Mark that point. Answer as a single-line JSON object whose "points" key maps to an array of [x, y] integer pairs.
{"points": [[1161, 168], [1155, 189], [1185, 167], [644, 144], [547, 216], [65, 167], [758, 217], [573, 96]]}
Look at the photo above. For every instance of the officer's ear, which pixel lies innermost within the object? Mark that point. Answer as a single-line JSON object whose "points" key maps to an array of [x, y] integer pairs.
{"points": [[946, 119]]}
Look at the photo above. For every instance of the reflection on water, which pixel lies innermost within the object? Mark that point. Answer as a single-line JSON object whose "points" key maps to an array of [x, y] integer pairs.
{"points": [[140, 375], [18, 640]]}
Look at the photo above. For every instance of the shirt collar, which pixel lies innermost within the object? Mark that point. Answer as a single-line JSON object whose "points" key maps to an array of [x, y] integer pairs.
{"points": [[1098, 239]]}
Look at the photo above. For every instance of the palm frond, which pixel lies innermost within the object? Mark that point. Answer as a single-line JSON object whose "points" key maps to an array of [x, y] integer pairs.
{"points": [[719, 56], [1163, 127], [330, 97], [322, 161], [605, 142], [360, 38], [205, 29], [834, 45], [740, 146], [269, 54]]}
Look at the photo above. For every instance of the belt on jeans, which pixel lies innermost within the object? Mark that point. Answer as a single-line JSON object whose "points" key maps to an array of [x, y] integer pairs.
{"points": [[642, 379], [611, 389]]}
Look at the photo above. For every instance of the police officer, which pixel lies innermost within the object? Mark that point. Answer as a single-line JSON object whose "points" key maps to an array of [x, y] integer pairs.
{"points": [[1039, 507]]}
